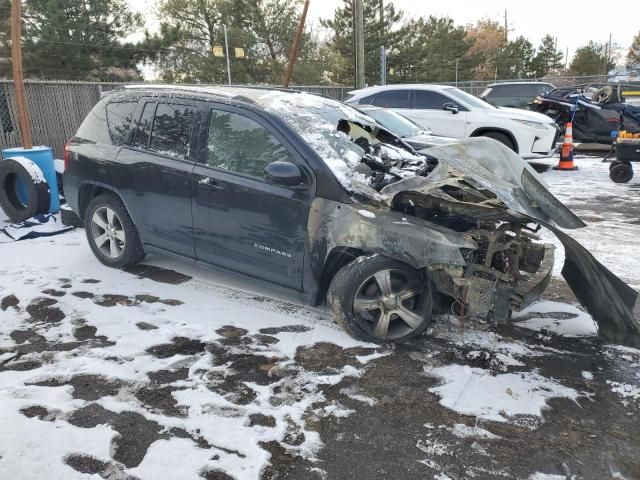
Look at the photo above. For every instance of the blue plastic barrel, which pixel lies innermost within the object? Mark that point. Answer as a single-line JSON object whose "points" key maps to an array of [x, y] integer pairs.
{"points": [[43, 158]]}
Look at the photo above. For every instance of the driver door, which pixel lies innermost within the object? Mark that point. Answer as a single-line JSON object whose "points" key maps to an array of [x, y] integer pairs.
{"points": [[240, 221], [428, 112]]}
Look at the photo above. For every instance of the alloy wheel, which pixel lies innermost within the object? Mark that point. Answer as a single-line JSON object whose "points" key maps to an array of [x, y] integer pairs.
{"points": [[108, 233], [389, 304]]}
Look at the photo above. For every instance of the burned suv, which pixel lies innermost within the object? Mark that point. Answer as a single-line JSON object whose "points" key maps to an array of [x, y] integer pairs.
{"points": [[311, 195]]}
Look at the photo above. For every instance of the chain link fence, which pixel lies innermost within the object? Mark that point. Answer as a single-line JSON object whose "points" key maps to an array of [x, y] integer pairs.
{"points": [[57, 108]]}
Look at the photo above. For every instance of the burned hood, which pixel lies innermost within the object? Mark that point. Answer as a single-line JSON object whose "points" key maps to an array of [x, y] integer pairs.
{"points": [[485, 164]]}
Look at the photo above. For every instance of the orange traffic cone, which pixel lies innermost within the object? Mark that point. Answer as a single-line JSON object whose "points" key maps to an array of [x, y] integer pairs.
{"points": [[566, 154]]}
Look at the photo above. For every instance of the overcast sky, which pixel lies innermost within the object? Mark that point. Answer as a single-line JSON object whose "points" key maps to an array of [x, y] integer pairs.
{"points": [[573, 23]]}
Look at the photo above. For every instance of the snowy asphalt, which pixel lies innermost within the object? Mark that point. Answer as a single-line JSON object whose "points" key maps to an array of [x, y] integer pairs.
{"points": [[171, 371]]}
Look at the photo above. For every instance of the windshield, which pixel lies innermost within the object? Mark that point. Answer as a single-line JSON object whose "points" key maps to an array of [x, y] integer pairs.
{"points": [[467, 98], [394, 122]]}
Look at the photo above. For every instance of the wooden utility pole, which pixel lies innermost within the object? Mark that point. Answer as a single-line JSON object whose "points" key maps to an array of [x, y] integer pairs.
{"points": [[358, 40], [18, 80], [296, 45]]}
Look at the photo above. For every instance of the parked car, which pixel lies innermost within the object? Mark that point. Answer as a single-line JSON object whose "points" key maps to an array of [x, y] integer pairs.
{"points": [[313, 196], [514, 94], [596, 110], [451, 112], [406, 129]]}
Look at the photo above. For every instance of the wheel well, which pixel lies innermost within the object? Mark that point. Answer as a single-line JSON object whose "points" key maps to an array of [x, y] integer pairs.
{"points": [[87, 193], [338, 258], [483, 131]]}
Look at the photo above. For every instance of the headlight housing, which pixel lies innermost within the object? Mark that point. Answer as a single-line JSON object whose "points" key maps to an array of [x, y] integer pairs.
{"points": [[531, 123]]}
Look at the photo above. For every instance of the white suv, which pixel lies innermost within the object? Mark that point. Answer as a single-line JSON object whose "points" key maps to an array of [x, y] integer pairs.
{"points": [[452, 112]]}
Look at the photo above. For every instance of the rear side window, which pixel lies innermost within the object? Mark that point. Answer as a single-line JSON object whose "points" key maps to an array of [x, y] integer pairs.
{"points": [[368, 100], [119, 116], [241, 145], [94, 127], [143, 129], [172, 128], [392, 99], [429, 100]]}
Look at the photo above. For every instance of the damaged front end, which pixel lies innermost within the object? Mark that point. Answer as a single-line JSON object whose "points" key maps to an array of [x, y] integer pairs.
{"points": [[483, 190]]}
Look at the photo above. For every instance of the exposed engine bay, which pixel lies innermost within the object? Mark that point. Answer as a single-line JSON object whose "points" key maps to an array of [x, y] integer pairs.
{"points": [[489, 195]]}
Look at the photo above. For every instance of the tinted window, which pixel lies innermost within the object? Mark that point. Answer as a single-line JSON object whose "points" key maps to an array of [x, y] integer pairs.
{"points": [[429, 100], [241, 145], [143, 130], [119, 116], [368, 100], [392, 99], [94, 127], [172, 127]]}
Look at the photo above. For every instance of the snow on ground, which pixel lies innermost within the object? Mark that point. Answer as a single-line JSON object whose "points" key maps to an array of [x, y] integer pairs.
{"points": [[610, 210], [109, 374]]}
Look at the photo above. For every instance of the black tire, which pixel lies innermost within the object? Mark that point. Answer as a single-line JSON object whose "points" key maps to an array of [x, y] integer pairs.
{"points": [[621, 173], [38, 199], [351, 284], [500, 137], [130, 250], [613, 164]]}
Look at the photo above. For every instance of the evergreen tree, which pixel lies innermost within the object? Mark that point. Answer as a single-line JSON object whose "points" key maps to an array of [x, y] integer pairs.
{"points": [[390, 33], [5, 48], [80, 40], [548, 59], [591, 60], [430, 54], [515, 59], [633, 55]]}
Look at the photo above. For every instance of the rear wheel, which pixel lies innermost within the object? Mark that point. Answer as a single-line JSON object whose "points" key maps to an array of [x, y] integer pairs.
{"points": [[502, 138], [621, 173], [378, 299], [112, 236]]}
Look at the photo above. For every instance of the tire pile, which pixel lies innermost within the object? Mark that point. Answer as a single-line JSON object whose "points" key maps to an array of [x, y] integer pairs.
{"points": [[19, 203]]}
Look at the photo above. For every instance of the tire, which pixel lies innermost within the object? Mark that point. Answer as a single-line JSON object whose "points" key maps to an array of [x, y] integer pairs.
{"points": [[112, 236], [502, 138], [603, 95], [359, 305], [621, 173], [37, 193]]}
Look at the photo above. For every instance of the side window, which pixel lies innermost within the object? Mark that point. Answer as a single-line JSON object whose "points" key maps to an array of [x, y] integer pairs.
{"points": [[119, 116], [143, 129], [172, 127], [94, 127], [392, 99], [241, 145], [426, 100], [368, 100]]}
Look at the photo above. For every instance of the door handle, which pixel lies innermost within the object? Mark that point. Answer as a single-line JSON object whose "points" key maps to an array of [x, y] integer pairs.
{"points": [[210, 183]]}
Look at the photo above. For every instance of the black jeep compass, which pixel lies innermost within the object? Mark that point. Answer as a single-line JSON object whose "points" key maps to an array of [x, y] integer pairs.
{"points": [[309, 194]]}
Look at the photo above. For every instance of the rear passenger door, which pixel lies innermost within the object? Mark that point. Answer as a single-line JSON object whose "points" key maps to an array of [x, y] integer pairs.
{"points": [[161, 157], [241, 221]]}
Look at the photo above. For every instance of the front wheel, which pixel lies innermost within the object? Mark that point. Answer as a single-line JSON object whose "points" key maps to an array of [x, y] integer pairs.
{"points": [[621, 173], [502, 138], [377, 299], [112, 236]]}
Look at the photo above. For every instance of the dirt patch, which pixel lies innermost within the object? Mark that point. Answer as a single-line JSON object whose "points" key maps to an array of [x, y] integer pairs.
{"points": [[9, 301], [21, 336], [86, 464], [111, 300], [21, 366], [147, 298], [86, 387], [146, 326], [215, 475], [36, 411], [161, 399], [168, 376], [85, 332], [324, 357], [54, 293], [41, 310], [179, 346], [83, 294], [90, 280], [261, 420], [158, 274], [135, 432], [285, 329]]}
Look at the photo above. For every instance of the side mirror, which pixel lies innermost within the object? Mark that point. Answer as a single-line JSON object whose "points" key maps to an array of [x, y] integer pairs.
{"points": [[283, 173], [451, 107]]}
